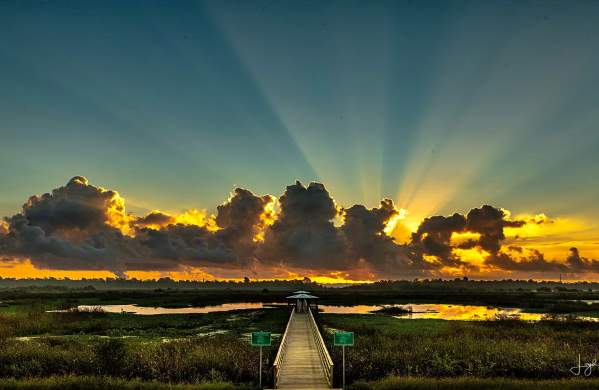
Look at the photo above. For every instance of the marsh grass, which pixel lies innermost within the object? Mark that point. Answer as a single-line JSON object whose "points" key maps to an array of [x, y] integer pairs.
{"points": [[190, 360], [410, 383], [101, 383], [166, 348], [510, 349]]}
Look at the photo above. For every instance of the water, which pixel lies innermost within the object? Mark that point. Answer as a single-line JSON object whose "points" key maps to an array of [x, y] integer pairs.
{"points": [[439, 311], [149, 311], [419, 310]]}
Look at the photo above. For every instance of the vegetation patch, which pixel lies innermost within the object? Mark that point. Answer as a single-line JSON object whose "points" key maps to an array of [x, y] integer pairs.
{"points": [[387, 346], [411, 383]]}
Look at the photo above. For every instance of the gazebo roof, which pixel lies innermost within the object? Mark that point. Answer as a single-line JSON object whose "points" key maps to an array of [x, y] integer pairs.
{"points": [[302, 296], [301, 292]]}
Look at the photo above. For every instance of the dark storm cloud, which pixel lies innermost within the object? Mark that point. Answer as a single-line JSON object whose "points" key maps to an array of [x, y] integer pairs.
{"points": [[435, 235], [33, 240], [489, 222], [154, 218], [77, 205], [367, 242], [363, 231], [77, 227], [533, 262], [187, 244], [83, 227], [579, 264], [304, 234], [239, 219]]}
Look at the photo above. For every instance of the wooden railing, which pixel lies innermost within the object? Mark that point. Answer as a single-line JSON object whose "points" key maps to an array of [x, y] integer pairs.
{"points": [[325, 358], [282, 348]]}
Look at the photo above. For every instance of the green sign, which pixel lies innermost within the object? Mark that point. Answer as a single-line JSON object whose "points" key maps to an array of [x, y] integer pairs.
{"points": [[261, 339], [343, 338]]}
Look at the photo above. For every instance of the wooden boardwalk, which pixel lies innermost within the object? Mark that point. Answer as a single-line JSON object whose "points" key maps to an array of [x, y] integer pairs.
{"points": [[302, 361]]}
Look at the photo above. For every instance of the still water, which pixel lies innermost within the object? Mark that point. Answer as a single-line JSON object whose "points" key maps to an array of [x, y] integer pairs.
{"points": [[439, 311], [419, 311], [149, 311]]}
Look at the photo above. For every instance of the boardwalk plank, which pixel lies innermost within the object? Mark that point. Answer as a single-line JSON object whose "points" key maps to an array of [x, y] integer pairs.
{"points": [[301, 368]]}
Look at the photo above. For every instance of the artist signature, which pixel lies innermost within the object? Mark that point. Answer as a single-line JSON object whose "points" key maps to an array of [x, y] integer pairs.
{"points": [[585, 369]]}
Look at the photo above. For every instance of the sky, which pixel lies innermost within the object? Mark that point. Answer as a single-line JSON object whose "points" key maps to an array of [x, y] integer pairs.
{"points": [[440, 106]]}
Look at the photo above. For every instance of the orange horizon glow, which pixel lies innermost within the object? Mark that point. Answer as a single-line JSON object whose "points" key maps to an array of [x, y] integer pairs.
{"points": [[26, 270]]}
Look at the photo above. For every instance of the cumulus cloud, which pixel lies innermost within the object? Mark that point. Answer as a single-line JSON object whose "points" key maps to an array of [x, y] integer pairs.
{"points": [[489, 222], [241, 218], [83, 227], [155, 218], [434, 233], [77, 205], [577, 263], [80, 226], [304, 233]]}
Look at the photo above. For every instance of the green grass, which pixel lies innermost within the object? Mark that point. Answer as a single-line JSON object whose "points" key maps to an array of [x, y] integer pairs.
{"points": [[166, 348], [409, 383], [35, 321], [366, 324], [189, 360], [387, 346], [75, 350]]}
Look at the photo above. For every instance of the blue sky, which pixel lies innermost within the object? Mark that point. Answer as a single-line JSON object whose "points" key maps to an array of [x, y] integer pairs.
{"points": [[441, 106]]}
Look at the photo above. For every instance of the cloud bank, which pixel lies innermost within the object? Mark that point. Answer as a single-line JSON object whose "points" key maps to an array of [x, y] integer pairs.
{"points": [[80, 226]]}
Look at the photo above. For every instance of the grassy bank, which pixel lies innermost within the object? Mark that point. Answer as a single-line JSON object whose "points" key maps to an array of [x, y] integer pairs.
{"points": [[100, 383], [213, 349], [189, 360], [33, 321], [435, 348], [166, 348], [543, 299], [408, 383]]}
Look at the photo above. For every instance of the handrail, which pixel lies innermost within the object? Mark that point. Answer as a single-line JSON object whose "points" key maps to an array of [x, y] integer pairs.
{"points": [[325, 357], [281, 352]]}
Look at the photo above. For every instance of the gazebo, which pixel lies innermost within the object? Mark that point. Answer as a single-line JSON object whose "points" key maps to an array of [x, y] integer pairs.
{"points": [[303, 300]]}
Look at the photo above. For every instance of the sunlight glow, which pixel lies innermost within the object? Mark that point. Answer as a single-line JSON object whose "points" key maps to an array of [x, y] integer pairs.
{"points": [[391, 224], [267, 218]]}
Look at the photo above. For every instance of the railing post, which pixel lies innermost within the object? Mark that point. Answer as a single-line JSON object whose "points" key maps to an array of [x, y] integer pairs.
{"points": [[282, 349], [325, 357]]}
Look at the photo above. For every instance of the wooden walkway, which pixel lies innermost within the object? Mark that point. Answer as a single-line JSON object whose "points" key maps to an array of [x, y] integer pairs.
{"points": [[303, 361]]}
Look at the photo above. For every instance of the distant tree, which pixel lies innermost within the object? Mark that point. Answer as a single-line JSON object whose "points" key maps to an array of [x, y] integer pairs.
{"points": [[246, 279]]}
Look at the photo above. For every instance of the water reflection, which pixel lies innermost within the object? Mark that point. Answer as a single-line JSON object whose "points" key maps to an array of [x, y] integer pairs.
{"points": [[440, 311], [142, 310], [418, 310]]}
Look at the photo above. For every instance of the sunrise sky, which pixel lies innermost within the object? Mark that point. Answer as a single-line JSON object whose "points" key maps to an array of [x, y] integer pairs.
{"points": [[440, 107]]}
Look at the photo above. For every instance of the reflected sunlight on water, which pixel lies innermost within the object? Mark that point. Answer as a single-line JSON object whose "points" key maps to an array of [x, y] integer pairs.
{"points": [[418, 310], [439, 311], [142, 310]]}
